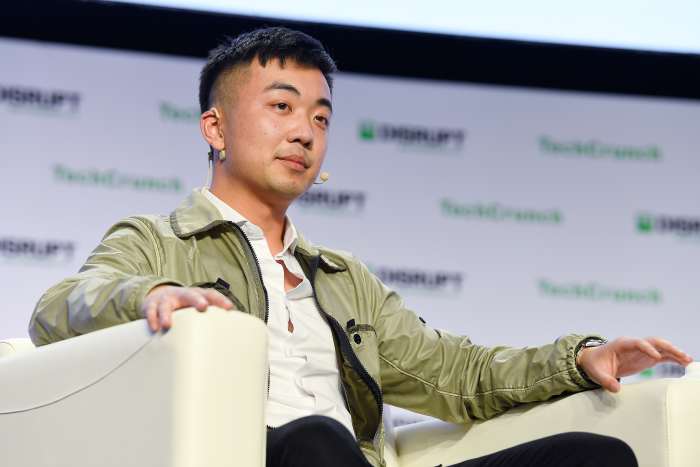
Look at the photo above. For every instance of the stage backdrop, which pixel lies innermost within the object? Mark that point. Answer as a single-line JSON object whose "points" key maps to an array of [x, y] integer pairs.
{"points": [[507, 214]]}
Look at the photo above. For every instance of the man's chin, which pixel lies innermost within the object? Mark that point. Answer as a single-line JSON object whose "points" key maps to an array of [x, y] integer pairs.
{"points": [[289, 191]]}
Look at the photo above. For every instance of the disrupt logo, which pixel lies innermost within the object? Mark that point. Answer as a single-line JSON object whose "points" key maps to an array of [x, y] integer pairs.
{"points": [[593, 149], [36, 250], [684, 226], [499, 213], [433, 281], [664, 370], [599, 292], [413, 135], [175, 113], [22, 97], [111, 178], [333, 200]]}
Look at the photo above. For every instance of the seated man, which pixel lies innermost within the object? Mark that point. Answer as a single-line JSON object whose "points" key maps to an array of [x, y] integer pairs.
{"points": [[341, 343]]}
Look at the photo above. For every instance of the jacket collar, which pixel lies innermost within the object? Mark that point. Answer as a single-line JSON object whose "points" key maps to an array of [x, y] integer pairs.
{"points": [[196, 214]]}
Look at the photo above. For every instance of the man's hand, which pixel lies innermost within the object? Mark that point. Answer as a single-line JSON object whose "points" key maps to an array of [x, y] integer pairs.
{"points": [[626, 356], [161, 301]]}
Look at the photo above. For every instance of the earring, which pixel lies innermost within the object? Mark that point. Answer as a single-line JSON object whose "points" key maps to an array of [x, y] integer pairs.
{"points": [[222, 155]]}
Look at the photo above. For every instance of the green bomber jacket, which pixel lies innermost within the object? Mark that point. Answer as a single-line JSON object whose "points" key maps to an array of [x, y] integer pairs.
{"points": [[386, 354]]}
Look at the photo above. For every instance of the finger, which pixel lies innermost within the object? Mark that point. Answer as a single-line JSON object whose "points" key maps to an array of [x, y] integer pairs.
{"points": [[216, 298], [603, 378], [648, 349], [152, 316], [669, 350], [609, 383], [165, 310], [683, 360], [192, 297]]}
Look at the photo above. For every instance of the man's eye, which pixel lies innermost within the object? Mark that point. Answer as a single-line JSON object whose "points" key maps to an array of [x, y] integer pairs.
{"points": [[281, 106], [322, 119]]}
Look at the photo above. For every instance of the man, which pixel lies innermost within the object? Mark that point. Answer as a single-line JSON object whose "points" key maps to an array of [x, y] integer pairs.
{"points": [[341, 343]]}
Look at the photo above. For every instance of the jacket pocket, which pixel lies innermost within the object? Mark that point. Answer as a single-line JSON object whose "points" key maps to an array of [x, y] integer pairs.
{"points": [[363, 339], [223, 288]]}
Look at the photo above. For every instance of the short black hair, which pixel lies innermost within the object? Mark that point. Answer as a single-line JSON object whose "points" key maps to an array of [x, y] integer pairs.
{"points": [[266, 44]]}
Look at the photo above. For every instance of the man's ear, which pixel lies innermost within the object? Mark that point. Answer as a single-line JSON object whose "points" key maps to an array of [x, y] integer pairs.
{"points": [[211, 125]]}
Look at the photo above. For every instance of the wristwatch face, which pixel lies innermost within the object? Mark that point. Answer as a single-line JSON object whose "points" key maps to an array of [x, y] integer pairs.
{"points": [[594, 343]]}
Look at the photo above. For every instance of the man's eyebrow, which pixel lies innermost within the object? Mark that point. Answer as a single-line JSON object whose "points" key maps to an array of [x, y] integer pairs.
{"points": [[325, 102], [283, 87], [278, 85]]}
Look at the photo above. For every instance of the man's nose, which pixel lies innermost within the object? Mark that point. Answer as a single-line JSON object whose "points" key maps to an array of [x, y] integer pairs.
{"points": [[301, 132]]}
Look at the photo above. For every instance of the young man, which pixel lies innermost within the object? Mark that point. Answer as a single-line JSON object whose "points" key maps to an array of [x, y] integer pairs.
{"points": [[341, 343]]}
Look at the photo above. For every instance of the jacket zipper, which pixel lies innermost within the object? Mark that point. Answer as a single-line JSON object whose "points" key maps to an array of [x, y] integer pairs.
{"points": [[262, 283], [257, 267], [346, 349]]}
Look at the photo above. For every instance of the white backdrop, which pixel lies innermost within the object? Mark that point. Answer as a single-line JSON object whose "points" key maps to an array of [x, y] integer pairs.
{"points": [[511, 215]]}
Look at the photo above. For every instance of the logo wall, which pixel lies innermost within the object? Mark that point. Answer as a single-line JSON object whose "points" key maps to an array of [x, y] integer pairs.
{"points": [[16, 97], [115, 179], [413, 136], [594, 149], [335, 201], [665, 224], [499, 213], [34, 250], [584, 215], [417, 279]]}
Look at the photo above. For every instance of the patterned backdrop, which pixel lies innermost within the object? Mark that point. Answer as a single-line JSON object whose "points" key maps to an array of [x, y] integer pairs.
{"points": [[511, 215]]}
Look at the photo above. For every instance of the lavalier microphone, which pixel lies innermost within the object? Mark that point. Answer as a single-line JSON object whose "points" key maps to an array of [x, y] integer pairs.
{"points": [[324, 176]]}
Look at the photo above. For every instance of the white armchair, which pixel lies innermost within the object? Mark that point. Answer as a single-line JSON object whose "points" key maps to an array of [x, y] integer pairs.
{"points": [[195, 396]]}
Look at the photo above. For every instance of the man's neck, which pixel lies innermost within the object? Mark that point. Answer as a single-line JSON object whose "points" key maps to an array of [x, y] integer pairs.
{"points": [[270, 218]]}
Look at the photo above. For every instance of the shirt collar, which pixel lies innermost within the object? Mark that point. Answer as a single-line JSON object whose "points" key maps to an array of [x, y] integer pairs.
{"points": [[289, 240]]}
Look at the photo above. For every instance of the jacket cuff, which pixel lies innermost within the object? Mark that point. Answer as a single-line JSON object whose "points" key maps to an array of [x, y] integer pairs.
{"points": [[147, 284]]}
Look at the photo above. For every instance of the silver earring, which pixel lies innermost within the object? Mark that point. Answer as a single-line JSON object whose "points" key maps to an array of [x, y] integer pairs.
{"points": [[222, 155]]}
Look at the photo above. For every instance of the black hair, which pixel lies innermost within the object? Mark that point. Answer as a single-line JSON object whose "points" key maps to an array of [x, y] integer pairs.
{"points": [[266, 44]]}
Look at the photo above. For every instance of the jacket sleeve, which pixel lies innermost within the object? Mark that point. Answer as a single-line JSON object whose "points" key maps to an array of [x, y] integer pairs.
{"points": [[108, 289], [448, 377]]}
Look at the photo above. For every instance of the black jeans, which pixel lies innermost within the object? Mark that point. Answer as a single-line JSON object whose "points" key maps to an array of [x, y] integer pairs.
{"points": [[321, 442]]}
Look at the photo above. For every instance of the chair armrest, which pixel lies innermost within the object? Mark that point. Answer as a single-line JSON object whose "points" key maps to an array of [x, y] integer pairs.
{"points": [[14, 346], [120, 396], [659, 419]]}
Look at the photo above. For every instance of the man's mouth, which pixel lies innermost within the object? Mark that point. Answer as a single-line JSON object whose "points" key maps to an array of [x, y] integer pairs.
{"points": [[294, 162]]}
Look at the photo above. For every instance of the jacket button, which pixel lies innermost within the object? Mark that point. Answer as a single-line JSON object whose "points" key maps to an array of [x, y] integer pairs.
{"points": [[357, 338]]}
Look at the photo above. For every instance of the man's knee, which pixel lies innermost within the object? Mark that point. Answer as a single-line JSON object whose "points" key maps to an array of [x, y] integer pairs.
{"points": [[599, 450], [615, 452]]}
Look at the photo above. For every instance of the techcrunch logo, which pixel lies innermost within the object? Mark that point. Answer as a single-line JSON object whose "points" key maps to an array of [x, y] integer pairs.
{"points": [[418, 279], [30, 98], [344, 201], [111, 178], [683, 226], [172, 112], [450, 139], [36, 250], [593, 149], [498, 213], [593, 291]]}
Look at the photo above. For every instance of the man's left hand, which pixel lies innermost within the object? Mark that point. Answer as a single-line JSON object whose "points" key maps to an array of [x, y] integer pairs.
{"points": [[626, 356]]}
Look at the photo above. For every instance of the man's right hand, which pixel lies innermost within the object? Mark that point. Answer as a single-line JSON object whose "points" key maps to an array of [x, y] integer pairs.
{"points": [[162, 301]]}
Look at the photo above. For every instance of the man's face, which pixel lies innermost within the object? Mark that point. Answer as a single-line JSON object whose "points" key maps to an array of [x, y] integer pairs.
{"points": [[275, 127]]}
